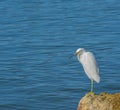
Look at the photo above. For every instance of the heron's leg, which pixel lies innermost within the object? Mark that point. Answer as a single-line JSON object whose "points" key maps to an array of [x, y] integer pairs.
{"points": [[92, 85]]}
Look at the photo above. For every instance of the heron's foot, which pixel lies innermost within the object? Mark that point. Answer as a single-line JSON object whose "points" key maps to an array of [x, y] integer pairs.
{"points": [[91, 90], [90, 93]]}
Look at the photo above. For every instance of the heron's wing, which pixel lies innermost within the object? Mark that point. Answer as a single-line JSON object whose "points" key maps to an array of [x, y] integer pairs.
{"points": [[90, 66]]}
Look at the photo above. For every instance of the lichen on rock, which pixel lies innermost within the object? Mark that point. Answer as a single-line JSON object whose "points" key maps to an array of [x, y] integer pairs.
{"points": [[103, 101]]}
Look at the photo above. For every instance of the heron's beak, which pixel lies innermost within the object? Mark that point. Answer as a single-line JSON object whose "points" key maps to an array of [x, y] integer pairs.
{"points": [[72, 56], [75, 53]]}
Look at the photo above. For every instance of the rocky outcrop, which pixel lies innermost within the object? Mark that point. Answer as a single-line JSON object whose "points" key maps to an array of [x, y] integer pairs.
{"points": [[103, 101]]}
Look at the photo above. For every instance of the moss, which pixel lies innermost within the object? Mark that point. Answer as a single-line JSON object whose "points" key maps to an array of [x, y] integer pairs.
{"points": [[103, 101]]}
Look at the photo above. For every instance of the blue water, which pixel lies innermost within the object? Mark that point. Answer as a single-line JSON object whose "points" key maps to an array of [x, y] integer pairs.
{"points": [[37, 37]]}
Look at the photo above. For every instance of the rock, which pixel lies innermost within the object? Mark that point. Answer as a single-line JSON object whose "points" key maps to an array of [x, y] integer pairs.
{"points": [[103, 101]]}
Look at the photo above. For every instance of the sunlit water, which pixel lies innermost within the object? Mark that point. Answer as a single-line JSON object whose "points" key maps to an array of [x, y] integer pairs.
{"points": [[37, 37]]}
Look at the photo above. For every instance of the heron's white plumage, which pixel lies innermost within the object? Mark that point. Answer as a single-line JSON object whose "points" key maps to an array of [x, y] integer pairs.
{"points": [[89, 64]]}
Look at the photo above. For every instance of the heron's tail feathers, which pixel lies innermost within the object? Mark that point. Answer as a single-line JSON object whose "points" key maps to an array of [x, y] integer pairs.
{"points": [[97, 79]]}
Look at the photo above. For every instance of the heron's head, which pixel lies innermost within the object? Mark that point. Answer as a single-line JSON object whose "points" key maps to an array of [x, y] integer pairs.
{"points": [[79, 51]]}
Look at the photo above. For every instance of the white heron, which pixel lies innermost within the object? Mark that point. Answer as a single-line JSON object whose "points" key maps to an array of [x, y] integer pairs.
{"points": [[89, 64]]}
